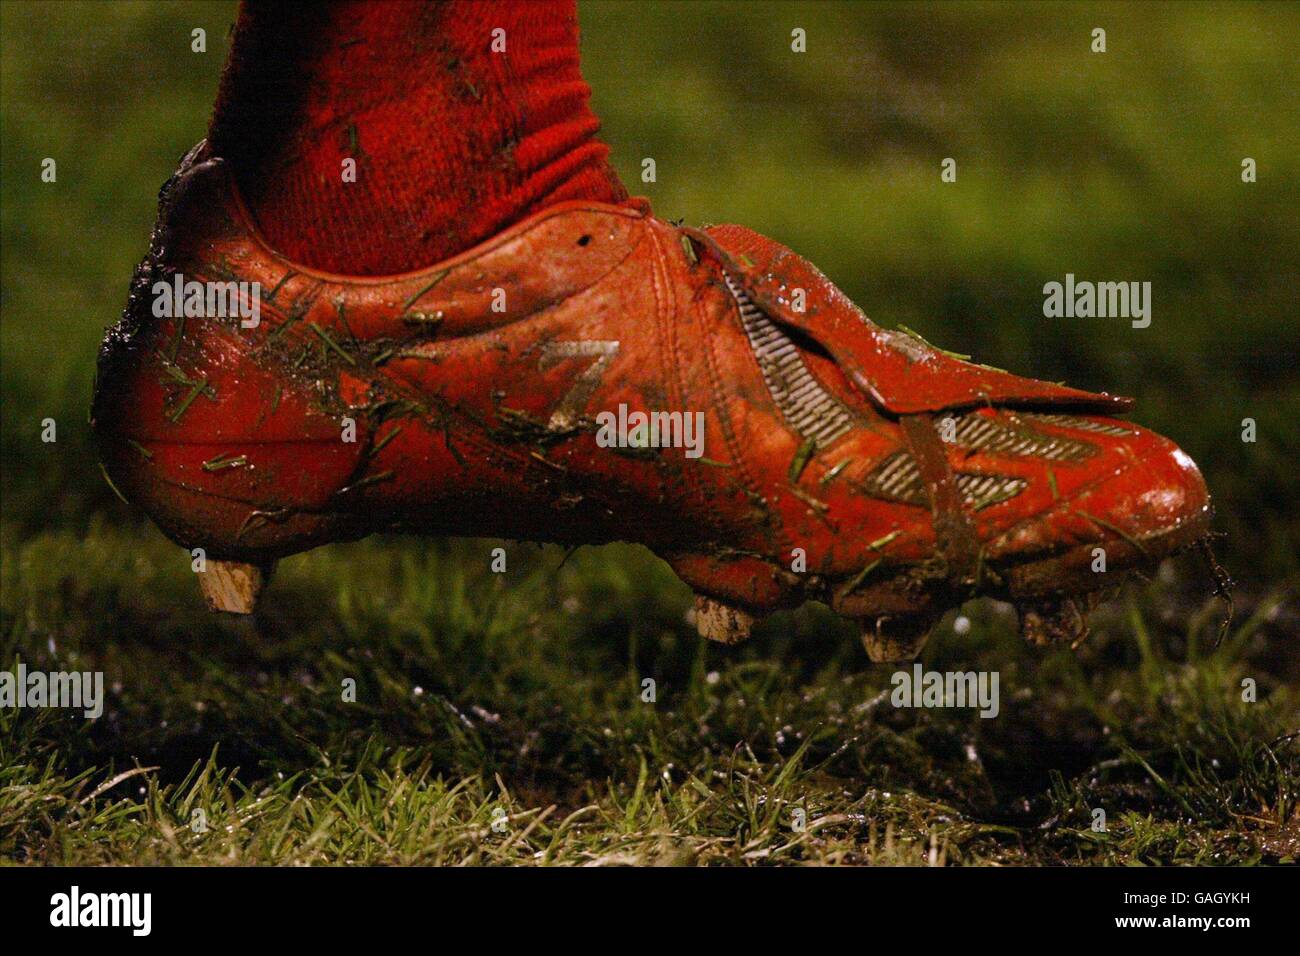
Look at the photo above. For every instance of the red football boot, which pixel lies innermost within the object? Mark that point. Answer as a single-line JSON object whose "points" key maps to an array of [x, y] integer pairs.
{"points": [[799, 451]]}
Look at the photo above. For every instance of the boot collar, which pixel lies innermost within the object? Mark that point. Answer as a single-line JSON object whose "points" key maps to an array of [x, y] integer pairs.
{"points": [[544, 259]]}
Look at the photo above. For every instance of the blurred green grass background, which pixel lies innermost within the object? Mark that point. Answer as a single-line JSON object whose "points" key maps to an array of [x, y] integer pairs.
{"points": [[1118, 166], [477, 693]]}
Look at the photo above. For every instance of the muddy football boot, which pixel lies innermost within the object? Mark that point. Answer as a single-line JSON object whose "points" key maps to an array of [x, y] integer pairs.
{"points": [[593, 373]]}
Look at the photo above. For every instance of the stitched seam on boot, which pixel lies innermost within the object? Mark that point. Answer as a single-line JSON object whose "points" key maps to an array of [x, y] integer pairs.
{"points": [[749, 483]]}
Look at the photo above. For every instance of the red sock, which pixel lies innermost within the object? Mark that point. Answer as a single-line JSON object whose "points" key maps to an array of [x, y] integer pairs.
{"points": [[452, 140]]}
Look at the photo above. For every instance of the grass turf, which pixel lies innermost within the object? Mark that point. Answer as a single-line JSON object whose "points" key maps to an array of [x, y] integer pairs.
{"points": [[501, 718]]}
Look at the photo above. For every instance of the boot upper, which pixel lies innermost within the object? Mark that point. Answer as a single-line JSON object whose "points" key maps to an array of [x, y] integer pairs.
{"points": [[477, 397]]}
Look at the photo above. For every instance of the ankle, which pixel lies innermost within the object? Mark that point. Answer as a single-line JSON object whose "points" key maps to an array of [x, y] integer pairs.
{"points": [[378, 138]]}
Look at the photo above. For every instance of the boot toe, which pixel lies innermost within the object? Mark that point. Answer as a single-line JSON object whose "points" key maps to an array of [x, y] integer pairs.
{"points": [[1148, 501]]}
